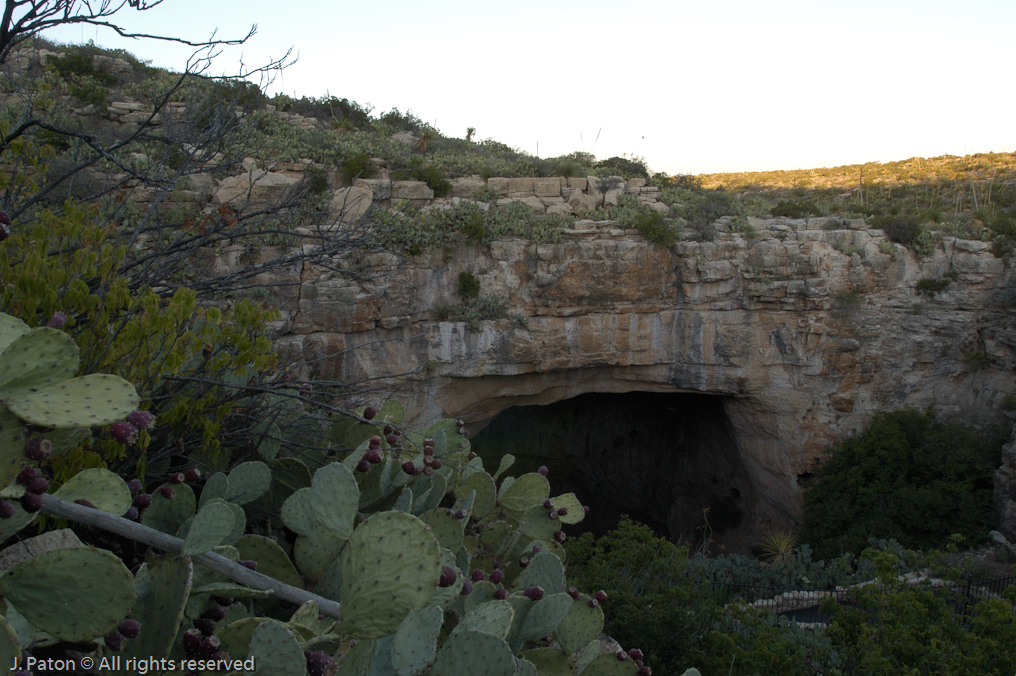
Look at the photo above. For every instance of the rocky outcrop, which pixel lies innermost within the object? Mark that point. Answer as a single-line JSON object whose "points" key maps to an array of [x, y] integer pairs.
{"points": [[804, 330], [1005, 490]]}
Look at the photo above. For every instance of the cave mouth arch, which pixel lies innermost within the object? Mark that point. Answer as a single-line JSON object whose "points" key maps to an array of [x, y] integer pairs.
{"points": [[662, 458]]}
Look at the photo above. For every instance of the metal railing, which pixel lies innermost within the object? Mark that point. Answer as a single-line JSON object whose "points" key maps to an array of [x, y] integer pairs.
{"points": [[802, 604]]}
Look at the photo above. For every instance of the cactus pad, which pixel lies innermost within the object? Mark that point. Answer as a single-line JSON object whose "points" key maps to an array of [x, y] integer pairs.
{"points": [[445, 527], [405, 501], [494, 618], [75, 593], [416, 640], [526, 668], [11, 328], [90, 401], [575, 511], [357, 660], [9, 646], [276, 650], [334, 498], [581, 625], [216, 486], [271, 558], [588, 654], [210, 527], [248, 481], [544, 617], [392, 411], [545, 570], [538, 525], [607, 664], [550, 661], [168, 515], [390, 566], [298, 512], [476, 654], [163, 588], [483, 591], [314, 553], [104, 489], [485, 492], [12, 444], [35, 360], [528, 491], [236, 635], [507, 460]]}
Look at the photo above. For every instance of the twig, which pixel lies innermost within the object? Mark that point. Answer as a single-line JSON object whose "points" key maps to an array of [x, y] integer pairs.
{"points": [[174, 545]]}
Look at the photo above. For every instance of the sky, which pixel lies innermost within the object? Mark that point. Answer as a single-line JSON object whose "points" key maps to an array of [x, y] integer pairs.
{"points": [[691, 86]]}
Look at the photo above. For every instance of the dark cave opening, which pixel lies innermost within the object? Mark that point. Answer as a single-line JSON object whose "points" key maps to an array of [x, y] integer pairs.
{"points": [[668, 460]]}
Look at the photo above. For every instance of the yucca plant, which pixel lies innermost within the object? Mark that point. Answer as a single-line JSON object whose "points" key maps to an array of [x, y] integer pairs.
{"points": [[777, 546]]}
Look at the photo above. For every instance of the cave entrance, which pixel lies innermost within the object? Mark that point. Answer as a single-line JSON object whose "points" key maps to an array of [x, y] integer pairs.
{"points": [[669, 460]]}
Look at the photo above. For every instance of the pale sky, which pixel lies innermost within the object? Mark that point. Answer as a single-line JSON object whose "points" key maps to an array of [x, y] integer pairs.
{"points": [[691, 86]]}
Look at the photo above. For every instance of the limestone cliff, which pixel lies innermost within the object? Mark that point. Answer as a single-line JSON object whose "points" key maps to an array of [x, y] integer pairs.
{"points": [[804, 330]]}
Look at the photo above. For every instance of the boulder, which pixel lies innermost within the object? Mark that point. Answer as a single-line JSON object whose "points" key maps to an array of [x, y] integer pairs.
{"points": [[349, 205], [254, 186], [466, 187], [411, 190], [547, 187]]}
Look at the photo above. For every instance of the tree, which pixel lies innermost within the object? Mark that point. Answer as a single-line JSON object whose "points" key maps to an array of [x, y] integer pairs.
{"points": [[24, 19], [91, 193]]}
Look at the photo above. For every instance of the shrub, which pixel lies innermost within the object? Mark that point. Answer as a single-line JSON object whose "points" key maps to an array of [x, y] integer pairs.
{"points": [[654, 228], [357, 166], [904, 229], [469, 285], [659, 601], [795, 209], [629, 167], [889, 631], [909, 477]]}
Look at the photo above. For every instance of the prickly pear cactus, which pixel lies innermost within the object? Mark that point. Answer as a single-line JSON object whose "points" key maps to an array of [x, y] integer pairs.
{"points": [[391, 565], [75, 593], [474, 652], [163, 588], [276, 650], [104, 489]]}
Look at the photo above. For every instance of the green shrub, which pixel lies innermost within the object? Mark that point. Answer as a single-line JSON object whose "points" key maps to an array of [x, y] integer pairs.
{"points": [[930, 286], [659, 601], [77, 63], [357, 166], [904, 229], [654, 228], [469, 285], [917, 631], [629, 167], [795, 209], [909, 477]]}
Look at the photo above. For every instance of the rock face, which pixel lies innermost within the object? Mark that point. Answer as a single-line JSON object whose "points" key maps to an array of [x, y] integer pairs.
{"points": [[1005, 489], [804, 330]]}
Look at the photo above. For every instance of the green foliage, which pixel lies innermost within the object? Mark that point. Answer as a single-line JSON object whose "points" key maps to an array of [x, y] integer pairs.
{"points": [[429, 173], [628, 167], [846, 303], [469, 285], [795, 209], [976, 360], [909, 477], [652, 226], [917, 631], [660, 602], [404, 228], [328, 109], [930, 286], [357, 165]]}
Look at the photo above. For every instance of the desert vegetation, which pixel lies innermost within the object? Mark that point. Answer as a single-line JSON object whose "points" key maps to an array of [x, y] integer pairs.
{"points": [[193, 492]]}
